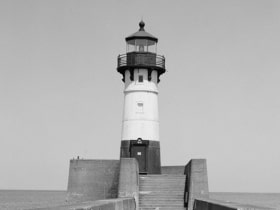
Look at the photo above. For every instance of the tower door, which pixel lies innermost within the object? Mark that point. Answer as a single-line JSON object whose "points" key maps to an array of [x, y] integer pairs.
{"points": [[139, 152]]}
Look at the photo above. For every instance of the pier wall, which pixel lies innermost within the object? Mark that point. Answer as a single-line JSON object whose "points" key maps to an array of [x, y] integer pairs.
{"points": [[129, 179], [91, 180], [109, 204], [196, 181], [172, 170], [211, 204]]}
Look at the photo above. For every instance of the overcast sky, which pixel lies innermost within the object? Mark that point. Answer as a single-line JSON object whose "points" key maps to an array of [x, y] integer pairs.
{"points": [[61, 96]]}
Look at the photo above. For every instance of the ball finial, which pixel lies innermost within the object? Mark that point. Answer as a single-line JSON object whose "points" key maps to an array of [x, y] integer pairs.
{"points": [[142, 25]]}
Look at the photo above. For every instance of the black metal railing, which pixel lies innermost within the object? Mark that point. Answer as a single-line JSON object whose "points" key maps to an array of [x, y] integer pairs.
{"points": [[141, 59]]}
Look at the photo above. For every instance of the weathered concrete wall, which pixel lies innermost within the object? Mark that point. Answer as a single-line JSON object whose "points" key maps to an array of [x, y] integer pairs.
{"points": [[172, 170], [91, 180], [110, 204], [204, 205], [209, 204], [129, 179], [196, 181]]}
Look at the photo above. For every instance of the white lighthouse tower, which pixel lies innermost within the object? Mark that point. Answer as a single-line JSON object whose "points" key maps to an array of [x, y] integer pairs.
{"points": [[141, 68]]}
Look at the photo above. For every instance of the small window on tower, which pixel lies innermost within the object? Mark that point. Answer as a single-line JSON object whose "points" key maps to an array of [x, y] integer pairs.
{"points": [[140, 78], [140, 106]]}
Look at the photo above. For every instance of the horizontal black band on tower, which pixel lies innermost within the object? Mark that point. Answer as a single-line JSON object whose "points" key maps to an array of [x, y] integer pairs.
{"points": [[122, 69], [150, 143], [131, 68]]}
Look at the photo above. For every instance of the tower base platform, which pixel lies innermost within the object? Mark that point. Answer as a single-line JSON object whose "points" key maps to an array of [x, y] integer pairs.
{"points": [[92, 180]]}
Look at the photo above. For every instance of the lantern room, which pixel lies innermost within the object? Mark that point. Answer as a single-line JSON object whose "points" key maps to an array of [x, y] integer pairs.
{"points": [[141, 41], [141, 52]]}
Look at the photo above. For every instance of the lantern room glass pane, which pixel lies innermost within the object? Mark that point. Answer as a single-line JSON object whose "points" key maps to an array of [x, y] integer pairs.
{"points": [[130, 46], [141, 45], [152, 48]]}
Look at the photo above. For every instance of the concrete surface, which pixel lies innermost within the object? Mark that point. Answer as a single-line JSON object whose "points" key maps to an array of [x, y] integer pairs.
{"points": [[173, 170], [91, 180], [129, 179], [196, 181], [210, 204], [109, 204], [162, 192]]}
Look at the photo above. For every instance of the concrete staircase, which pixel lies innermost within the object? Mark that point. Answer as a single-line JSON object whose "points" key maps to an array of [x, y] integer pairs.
{"points": [[161, 192]]}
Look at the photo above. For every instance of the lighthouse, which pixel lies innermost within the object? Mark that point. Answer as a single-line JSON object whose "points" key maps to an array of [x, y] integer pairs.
{"points": [[141, 69]]}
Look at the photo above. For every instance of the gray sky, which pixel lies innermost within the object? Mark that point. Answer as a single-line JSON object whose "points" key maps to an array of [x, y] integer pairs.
{"points": [[61, 96]]}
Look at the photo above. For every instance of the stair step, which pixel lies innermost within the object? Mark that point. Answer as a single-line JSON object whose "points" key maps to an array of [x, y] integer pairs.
{"points": [[164, 180], [159, 203], [162, 175], [162, 204], [178, 182], [161, 192], [164, 199], [156, 179], [166, 196], [161, 195], [164, 186], [161, 189], [160, 198], [169, 180], [162, 208]]}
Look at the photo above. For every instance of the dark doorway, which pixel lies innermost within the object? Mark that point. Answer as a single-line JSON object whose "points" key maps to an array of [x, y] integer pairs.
{"points": [[139, 152]]}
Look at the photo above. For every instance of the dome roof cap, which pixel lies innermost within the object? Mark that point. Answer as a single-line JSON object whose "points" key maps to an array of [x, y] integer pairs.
{"points": [[141, 34]]}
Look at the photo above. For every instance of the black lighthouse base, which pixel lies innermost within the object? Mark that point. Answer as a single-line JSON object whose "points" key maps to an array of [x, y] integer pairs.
{"points": [[146, 152]]}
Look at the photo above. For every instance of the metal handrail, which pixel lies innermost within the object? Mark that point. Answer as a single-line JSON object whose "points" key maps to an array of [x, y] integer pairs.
{"points": [[159, 60]]}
